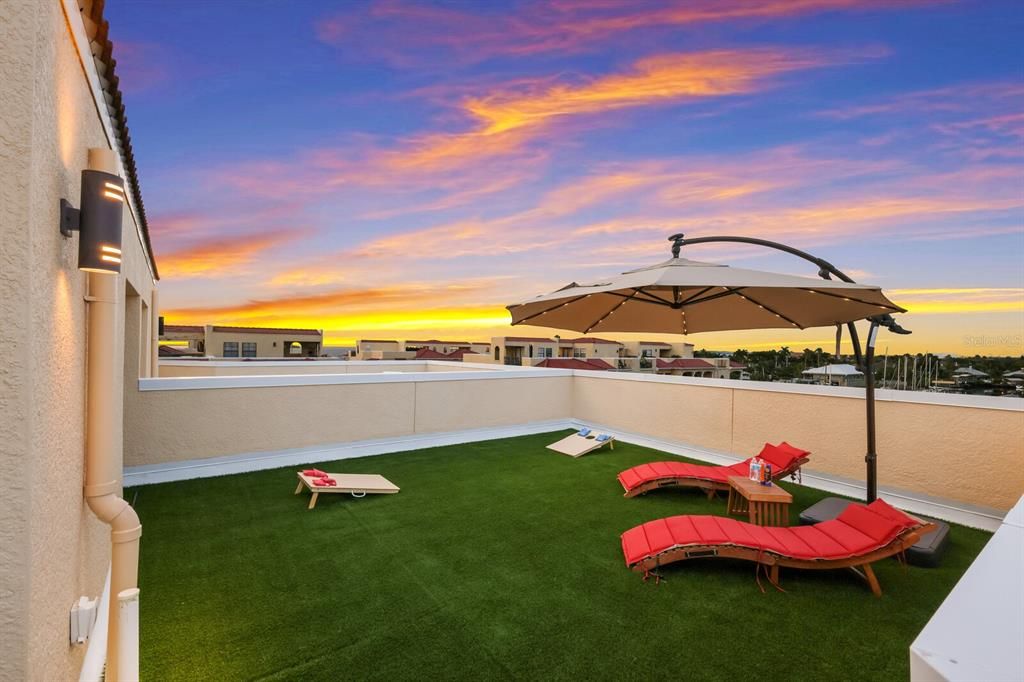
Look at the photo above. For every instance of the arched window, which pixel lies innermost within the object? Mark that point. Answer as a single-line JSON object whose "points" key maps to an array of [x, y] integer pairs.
{"points": [[497, 353], [294, 348]]}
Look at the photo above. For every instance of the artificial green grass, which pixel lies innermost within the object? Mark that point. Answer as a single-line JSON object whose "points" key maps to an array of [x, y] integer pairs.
{"points": [[498, 559]]}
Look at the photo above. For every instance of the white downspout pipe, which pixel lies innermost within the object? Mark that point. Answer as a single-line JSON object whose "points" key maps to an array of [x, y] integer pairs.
{"points": [[103, 441], [128, 629]]}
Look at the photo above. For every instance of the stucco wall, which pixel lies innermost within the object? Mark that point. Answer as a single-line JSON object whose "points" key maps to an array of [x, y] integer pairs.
{"points": [[971, 452], [52, 550], [961, 448], [175, 425]]}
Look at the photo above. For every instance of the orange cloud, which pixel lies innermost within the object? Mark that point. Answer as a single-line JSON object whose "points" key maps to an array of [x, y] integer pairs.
{"points": [[510, 118], [655, 79], [410, 34], [222, 257], [355, 311]]}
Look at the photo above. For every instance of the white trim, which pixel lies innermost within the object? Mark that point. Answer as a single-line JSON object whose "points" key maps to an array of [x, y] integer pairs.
{"points": [[1011, 404], [274, 459], [73, 15], [261, 362], [283, 362], [956, 512], [916, 503], [384, 377]]}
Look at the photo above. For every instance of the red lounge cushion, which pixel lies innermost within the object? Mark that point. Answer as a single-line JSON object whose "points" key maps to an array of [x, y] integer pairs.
{"points": [[316, 473], [788, 542], [852, 540], [653, 471], [740, 468], [821, 544], [659, 537], [877, 527], [710, 531], [883, 508], [634, 545]]}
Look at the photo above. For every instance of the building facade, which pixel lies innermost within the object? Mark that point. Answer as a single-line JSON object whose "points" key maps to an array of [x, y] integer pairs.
{"points": [[220, 341], [62, 115]]}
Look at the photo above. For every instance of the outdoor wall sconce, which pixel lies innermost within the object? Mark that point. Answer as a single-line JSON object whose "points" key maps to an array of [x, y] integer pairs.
{"points": [[98, 222]]}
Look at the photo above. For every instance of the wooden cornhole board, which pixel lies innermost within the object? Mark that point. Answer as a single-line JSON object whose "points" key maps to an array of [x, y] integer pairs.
{"points": [[576, 445], [358, 485]]}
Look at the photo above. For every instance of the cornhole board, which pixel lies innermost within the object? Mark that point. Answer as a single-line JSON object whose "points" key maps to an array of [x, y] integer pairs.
{"points": [[926, 552], [357, 485], [576, 445]]}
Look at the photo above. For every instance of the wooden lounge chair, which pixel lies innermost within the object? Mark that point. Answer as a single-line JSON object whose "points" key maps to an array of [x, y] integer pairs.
{"points": [[357, 485], [862, 534], [582, 442], [785, 459]]}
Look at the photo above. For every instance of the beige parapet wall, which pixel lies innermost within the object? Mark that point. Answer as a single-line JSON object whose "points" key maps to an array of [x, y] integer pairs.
{"points": [[254, 414], [964, 448]]}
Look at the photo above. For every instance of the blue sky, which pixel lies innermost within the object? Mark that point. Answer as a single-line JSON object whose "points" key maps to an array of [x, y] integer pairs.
{"points": [[400, 169]]}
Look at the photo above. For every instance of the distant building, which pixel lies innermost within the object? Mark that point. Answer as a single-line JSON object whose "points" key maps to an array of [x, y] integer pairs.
{"points": [[659, 349], [714, 368], [243, 342], [575, 363], [433, 349], [533, 350], [655, 357], [967, 376], [1014, 377], [835, 375]]}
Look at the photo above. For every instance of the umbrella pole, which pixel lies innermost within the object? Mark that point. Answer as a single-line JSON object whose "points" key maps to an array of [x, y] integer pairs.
{"points": [[871, 458]]}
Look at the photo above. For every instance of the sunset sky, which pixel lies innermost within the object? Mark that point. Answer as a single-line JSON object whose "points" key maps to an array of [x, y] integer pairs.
{"points": [[399, 170]]}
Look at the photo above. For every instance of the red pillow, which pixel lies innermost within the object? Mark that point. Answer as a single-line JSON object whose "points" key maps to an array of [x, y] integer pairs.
{"points": [[875, 526], [884, 509], [781, 456]]}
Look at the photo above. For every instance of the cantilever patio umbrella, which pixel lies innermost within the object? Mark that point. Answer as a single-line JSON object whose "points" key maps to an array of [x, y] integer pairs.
{"points": [[681, 296]]}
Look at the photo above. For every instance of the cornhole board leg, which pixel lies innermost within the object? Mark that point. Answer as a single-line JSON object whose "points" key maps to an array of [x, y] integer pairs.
{"points": [[312, 500], [298, 488]]}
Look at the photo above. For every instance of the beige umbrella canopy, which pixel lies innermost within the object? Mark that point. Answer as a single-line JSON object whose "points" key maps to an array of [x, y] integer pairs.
{"points": [[682, 296]]}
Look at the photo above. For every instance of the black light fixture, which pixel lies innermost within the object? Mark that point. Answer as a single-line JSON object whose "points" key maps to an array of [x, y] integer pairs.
{"points": [[98, 222]]}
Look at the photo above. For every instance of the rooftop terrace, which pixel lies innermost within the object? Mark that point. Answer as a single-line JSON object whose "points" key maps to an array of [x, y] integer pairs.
{"points": [[498, 559]]}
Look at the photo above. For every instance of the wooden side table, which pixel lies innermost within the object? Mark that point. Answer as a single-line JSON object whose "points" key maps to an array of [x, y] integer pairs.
{"points": [[764, 505]]}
